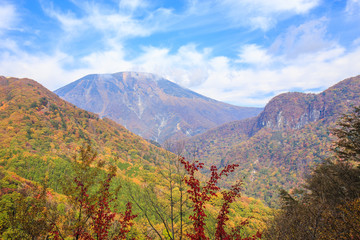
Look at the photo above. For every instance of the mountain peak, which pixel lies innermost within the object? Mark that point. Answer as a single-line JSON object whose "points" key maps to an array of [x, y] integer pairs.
{"points": [[149, 105], [141, 76]]}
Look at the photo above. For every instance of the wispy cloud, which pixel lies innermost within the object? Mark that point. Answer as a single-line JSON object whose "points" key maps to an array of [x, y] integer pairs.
{"points": [[257, 86], [309, 37], [120, 22], [46, 69], [99, 37], [254, 55], [188, 66], [8, 16], [265, 14], [353, 7]]}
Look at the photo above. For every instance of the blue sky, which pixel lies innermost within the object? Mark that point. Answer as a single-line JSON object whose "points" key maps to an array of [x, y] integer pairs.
{"points": [[242, 52]]}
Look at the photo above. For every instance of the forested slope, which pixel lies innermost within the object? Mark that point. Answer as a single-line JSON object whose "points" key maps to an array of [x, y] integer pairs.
{"points": [[276, 149], [41, 135]]}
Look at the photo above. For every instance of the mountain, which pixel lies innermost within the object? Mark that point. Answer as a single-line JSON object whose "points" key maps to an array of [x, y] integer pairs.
{"points": [[277, 148], [295, 110], [40, 132], [151, 106]]}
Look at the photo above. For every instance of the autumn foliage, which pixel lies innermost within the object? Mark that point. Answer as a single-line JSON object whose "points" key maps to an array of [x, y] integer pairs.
{"points": [[200, 195], [94, 217], [39, 134], [328, 205], [100, 214]]}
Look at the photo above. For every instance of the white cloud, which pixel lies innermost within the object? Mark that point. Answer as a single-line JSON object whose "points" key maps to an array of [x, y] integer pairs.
{"points": [[132, 5], [353, 7], [309, 37], [264, 14], [187, 67], [220, 78], [257, 87], [254, 54], [303, 57], [69, 23], [109, 61], [116, 23], [254, 14], [216, 77], [8, 16], [296, 6], [45, 69], [356, 42], [9, 45], [51, 69]]}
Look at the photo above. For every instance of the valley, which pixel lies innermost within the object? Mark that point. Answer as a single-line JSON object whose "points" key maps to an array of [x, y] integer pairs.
{"points": [[277, 148], [179, 120], [46, 141], [44, 145]]}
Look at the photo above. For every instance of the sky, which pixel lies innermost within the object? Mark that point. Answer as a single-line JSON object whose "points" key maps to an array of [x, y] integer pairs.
{"points": [[242, 52]]}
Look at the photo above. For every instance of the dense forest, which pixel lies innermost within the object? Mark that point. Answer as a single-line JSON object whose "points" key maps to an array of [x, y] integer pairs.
{"points": [[67, 174], [42, 151], [327, 206], [278, 148]]}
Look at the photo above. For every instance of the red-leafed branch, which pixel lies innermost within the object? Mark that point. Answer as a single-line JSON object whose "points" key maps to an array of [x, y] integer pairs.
{"points": [[200, 195], [228, 198], [102, 217], [90, 216]]}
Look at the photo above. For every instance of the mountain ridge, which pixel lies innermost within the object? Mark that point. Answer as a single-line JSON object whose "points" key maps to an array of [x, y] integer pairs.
{"points": [[36, 120], [303, 108], [150, 105], [277, 148]]}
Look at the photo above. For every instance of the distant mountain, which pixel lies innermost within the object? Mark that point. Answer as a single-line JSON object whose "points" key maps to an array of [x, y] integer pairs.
{"points": [[151, 106], [276, 148]]}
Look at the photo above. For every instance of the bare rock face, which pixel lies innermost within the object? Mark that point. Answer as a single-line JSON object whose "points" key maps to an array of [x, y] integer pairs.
{"points": [[294, 110], [289, 111], [151, 106]]}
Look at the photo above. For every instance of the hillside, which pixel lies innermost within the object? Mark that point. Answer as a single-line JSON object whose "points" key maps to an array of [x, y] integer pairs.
{"points": [[151, 106], [277, 148], [40, 134], [37, 124]]}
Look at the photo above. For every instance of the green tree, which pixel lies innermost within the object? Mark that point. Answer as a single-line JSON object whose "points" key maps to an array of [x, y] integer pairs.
{"points": [[89, 214], [162, 200], [24, 211]]}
